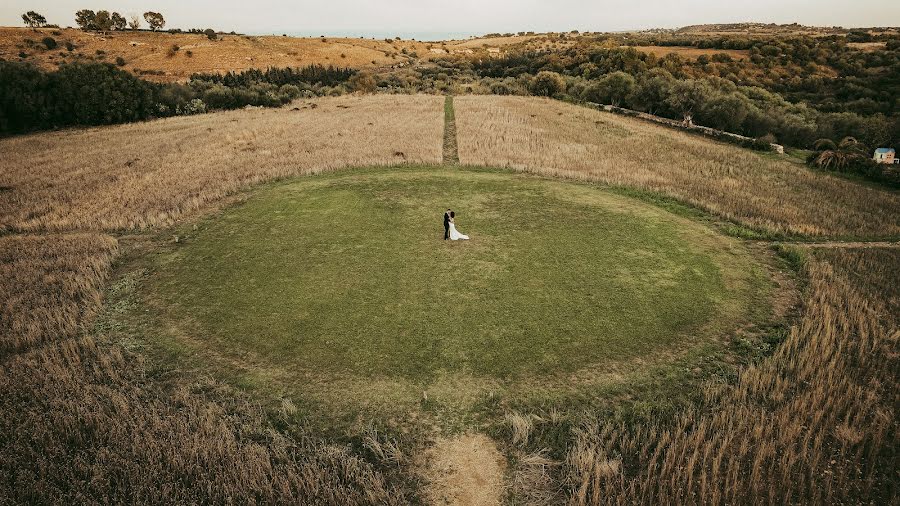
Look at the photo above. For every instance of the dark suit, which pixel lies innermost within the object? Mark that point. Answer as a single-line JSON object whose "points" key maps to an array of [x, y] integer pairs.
{"points": [[446, 225]]}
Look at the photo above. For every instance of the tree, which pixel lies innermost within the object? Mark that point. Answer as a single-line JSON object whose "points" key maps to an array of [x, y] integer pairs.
{"points": [[118, 21], [103, 21], [686, 97], [155, 20], [134, 22], [652, 90], [840, 157], [726, 111], [33, 19], [86, 19], [547, 84], [612, 89]]}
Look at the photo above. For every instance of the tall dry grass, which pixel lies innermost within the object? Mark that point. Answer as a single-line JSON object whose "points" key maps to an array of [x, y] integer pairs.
{"points": [[82, 422], [815, 423], [551, 137], [148, 174], [50, 286]]}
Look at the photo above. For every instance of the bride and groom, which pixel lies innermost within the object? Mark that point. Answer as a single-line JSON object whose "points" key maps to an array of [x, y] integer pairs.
{"points": [[450, 231]]}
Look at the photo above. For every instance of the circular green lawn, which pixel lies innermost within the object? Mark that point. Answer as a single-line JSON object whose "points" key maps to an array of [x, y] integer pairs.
{"points": [[347, 275]]}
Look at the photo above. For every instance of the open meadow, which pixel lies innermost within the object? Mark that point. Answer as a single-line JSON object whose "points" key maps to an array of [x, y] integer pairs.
{"points": [[258, 306]]}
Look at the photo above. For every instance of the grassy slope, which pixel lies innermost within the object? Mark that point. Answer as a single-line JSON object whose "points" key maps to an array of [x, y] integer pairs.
{"points": [[339, 290]]}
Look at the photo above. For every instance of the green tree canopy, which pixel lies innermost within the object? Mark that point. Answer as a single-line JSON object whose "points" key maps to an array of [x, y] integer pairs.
{"points": [[33, 19]]}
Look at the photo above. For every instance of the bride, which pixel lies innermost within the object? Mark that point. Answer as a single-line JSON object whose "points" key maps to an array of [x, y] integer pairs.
{"points": [[454, 234]]}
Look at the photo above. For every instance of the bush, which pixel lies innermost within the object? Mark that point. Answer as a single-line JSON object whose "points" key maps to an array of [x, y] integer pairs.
{"points": [[69, 46], [195, 106], [210, 34], [76, 94], [49, 42], [547, 84], [120, 61]]}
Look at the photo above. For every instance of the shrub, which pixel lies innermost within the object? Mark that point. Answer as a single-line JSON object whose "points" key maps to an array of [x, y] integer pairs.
{"points": [[195, 106], [69, 46], [120, 61], [210, 34], [49, 42], [547, 84], [363, 81]]}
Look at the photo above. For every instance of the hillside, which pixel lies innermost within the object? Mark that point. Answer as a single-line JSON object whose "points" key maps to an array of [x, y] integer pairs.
{"points": [[153, 54]]}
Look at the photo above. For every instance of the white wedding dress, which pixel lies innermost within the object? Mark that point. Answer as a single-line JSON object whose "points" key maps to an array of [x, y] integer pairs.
{"points": [[454, 234]]}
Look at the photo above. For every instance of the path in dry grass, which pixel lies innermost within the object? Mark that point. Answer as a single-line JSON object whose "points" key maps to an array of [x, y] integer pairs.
{"points": [[554, 138], [466, 470], [849, 244], [451, 154], [149, 174]]}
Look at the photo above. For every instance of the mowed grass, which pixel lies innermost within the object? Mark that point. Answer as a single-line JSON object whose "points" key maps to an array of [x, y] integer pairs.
{"points": [[348, 275]]}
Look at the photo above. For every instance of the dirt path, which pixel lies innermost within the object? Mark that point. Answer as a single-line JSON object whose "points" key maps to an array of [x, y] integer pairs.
{"points": [[848, 244], [451, 153], [466, 470]]}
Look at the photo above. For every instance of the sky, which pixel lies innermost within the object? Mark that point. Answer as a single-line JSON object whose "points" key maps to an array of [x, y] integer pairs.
{"points": [[465, 17]]}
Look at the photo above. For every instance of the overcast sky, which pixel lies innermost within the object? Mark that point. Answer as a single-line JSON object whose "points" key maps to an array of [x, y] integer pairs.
{"points": [[378, 17]]}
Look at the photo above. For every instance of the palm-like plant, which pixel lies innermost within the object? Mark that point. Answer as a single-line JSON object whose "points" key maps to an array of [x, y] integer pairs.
{"points": [[841, 156]]}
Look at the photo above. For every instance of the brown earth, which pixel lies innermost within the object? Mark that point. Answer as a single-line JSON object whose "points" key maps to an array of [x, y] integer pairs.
{"points": [[465, 471]]}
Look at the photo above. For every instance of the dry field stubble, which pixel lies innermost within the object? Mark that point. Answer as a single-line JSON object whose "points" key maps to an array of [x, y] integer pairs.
{"points": [[692, 53], [148, 174], [50, 286], [814, 423], [82, 423], [554, 138]]}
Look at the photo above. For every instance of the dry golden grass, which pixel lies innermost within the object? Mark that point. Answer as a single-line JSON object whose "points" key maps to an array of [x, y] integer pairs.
{"points": [[554, 138], [148, 174], [150, 51], [813, 424], [81, 423], [51, 286], [691, 53]]}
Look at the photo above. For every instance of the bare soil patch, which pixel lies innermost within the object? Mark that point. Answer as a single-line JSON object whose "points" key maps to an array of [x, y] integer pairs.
{"points": [[466, 470]]}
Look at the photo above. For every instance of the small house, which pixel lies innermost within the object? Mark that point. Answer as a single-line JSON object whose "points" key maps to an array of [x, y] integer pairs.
{"points": [[885, 155]]}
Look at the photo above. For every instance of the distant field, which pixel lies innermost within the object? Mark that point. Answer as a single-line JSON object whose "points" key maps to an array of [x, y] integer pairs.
{"points": [[867, 46], [692, 52]]}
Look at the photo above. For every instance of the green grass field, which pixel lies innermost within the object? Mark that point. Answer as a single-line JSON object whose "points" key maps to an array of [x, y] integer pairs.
{"points": [[339, 291]]}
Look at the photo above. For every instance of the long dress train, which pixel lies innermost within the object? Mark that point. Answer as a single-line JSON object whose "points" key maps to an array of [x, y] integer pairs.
{"points": [[455, 235]]}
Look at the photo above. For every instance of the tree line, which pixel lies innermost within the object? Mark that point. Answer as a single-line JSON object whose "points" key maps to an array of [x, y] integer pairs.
{"points": [[83, 94], [102, 20], [105, 21]]}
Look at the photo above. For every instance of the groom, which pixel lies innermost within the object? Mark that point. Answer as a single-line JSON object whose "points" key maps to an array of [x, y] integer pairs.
{"points": [[447, 224]]}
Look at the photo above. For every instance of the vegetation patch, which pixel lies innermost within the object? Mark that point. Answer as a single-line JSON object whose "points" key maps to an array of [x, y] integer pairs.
{"points": [[338, 290]]}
